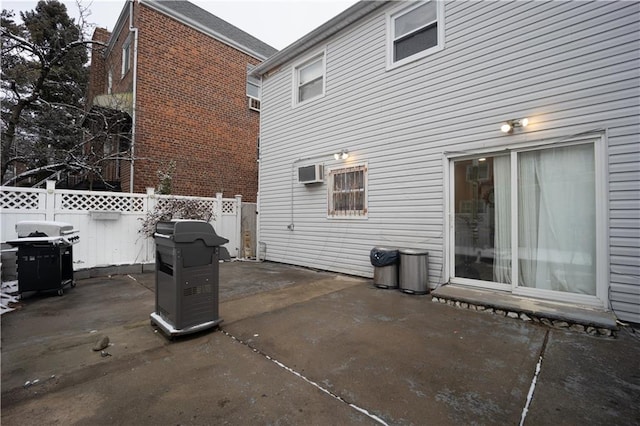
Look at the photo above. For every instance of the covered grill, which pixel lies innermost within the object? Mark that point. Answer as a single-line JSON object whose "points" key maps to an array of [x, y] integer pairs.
{"points": [[187, 255], [45, 255]]}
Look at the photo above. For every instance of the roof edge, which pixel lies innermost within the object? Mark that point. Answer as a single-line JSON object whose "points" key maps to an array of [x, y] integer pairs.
{"points": [[199, 27], [324, 31], [124, 15]]}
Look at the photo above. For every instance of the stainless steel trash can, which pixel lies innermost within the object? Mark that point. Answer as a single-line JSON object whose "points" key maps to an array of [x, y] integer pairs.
{"points": [[385, 267], [413, 273]]}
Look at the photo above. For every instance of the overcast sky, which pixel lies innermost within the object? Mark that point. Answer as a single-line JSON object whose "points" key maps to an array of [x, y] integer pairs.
{"points": [[277, 23]]}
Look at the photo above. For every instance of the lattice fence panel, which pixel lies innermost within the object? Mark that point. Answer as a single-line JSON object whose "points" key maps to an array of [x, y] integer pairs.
{"points": [[98, 202], [19, 200], [228, 207], [204, 204], [163, 203]]}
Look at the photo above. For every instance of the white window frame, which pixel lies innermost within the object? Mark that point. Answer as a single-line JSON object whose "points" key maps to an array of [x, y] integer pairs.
{"points": [[296, 76], [126, 56], [352, 214], [601, 298], [394, 14]]}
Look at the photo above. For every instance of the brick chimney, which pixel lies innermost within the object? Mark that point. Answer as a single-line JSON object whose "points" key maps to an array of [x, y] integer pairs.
{"points": [[98, 69]]}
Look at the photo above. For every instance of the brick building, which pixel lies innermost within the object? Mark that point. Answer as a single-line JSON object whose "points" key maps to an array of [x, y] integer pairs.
{"points": [[173, 78]]}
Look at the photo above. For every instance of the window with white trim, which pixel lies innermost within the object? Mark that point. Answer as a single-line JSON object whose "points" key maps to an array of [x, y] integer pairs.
{"points": [[347, 192], [415, 32], [126, 56], [309, 79], [254, 89]]}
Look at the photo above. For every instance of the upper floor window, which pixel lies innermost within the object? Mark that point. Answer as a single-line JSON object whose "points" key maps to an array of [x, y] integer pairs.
{"points": [[309, 77], [415, 32], [253, 89], [347, 196], [126, 56]]}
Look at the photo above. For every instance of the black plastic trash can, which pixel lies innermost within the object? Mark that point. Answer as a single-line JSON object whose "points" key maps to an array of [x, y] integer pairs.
{"points": [[187, 287], [414, 267], [385, 267]]}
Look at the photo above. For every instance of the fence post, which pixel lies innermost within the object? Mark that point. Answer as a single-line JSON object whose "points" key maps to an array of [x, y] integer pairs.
{"points": [[150, 202], [50, 200], [217, 214], [240, 254]]}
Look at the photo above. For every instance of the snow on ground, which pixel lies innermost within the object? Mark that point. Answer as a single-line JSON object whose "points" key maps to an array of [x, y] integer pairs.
{"points": [[8, 295]]}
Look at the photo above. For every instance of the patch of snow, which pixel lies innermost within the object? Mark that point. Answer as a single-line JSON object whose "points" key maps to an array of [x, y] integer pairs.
{"points": [[532, 388], [8, 295]]}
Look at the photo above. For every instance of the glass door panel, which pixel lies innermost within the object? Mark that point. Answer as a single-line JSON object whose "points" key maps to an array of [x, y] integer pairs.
{"points": [[557, 219], [482, 219]]}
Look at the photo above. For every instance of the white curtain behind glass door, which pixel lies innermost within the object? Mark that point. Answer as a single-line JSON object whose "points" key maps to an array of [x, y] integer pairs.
{"points": [[502, 196], [556, 209]]}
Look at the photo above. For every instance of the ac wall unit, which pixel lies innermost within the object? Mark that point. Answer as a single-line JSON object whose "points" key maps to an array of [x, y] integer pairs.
{"points": [[313, 173], [254, 103]]}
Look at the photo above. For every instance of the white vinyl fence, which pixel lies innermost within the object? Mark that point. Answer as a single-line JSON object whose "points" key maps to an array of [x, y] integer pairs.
{"points": [[108, 222]]}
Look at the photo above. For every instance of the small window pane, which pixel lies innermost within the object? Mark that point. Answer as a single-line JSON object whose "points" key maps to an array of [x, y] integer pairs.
{"points": [[415, 43], [253, 83], [415, 19], [310, 72], [125, 58], [310, 90], [309, 79], [253, 90]]}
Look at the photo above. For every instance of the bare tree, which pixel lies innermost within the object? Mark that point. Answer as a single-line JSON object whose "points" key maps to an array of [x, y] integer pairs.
{"points": [[46, 131]]}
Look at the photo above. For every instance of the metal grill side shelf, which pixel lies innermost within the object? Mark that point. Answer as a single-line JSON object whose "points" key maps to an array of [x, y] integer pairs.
{"points": [[187, 274]]}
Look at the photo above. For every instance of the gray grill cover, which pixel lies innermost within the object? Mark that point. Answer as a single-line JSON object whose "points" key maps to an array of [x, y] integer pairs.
{"points": [[188, 231]]}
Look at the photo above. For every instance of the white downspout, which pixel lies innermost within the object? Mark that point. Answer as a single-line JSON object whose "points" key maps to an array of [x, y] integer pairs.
{"points": [[133, 30]]}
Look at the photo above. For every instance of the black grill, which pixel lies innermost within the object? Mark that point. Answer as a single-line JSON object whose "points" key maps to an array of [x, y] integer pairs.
{"points": [[45, 255]]}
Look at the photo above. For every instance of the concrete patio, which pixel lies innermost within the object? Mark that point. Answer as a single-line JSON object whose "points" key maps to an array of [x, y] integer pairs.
{"points": [[299, 346]]}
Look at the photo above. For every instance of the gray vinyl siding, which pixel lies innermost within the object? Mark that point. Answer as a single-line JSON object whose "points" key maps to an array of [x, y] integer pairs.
{"points": [[571, 67], [624, 219]]}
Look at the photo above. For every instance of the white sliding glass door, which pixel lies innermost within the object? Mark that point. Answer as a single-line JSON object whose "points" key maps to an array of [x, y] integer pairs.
{"points": [[527, 222]]}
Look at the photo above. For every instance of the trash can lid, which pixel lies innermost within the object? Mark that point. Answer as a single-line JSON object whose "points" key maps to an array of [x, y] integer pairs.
{"points": [[385, 248], [414, 252]]}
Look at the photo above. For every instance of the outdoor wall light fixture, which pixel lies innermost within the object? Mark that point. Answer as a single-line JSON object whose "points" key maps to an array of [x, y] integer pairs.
{"points": [[512, 124], [342, 155]]}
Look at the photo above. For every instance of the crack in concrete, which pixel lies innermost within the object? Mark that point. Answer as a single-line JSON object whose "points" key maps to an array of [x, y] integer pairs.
{"points": [[532, 388], [311, 382]]}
